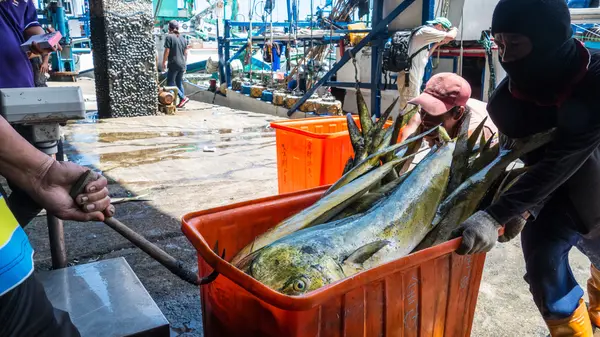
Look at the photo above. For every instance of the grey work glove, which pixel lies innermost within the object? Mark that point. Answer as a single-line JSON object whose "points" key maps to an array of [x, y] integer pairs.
{"points": [[479, 233], [512, 228]]}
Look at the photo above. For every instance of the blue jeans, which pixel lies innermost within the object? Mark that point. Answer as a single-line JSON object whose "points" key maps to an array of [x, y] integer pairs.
{"points": [[175, 78], [546, 243]]}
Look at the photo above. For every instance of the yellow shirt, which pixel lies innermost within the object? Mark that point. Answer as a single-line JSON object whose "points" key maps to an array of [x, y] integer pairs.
{"points": [[16, 253]]}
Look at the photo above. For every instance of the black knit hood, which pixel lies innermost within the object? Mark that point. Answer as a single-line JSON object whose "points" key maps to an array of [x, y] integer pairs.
{"points": [[555, 57]]}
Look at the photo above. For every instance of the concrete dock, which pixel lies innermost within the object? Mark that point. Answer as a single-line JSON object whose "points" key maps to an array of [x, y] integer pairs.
{"points": [[207, 156]]}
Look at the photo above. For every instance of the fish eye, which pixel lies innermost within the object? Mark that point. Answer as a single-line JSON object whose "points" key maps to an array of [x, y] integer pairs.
{"points": [[300, 285]]}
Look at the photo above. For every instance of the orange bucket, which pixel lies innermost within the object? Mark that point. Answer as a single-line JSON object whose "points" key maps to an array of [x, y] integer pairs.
{"points": [[311, 152], [429, 293]]}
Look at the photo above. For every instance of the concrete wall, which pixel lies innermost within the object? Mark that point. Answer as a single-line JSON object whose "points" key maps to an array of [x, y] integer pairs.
{"points": [[124, 57]]}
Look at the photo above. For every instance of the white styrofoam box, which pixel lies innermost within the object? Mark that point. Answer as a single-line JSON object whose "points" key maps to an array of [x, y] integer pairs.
{"points": [[47, 104]]}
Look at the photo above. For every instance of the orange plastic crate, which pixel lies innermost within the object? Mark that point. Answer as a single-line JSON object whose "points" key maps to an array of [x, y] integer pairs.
{"points": [[429, 293], [311, 152]]}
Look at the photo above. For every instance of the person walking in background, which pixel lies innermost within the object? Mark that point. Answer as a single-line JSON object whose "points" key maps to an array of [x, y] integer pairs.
{"points": [[174, 60], [41, 67]]}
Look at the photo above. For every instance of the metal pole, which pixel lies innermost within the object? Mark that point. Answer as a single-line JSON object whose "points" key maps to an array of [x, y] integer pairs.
{"points": [[381, 27], [272, 50], [376, 60], [427, 11], [250, 38], [220, 47], [227, 53], [296, 47], [56, 232], [238, 52], [290, 14]]}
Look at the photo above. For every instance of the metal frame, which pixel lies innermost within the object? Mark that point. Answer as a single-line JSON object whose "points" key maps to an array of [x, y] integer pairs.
{"points": [[377, 36], [225, 42]]}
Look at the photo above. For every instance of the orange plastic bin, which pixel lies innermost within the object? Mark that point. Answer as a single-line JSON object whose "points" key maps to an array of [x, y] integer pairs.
{"points": [[429, 293], [311, 152]]}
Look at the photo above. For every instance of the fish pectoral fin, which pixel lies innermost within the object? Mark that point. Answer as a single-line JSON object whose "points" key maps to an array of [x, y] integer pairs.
{"points": [[362, 254]]}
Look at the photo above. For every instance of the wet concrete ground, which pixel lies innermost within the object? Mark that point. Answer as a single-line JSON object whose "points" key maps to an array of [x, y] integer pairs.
{"points": [[164, 157]]}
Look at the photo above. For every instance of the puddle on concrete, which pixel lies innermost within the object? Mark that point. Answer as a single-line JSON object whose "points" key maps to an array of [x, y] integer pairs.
{"points": [[112, 137], [153, 155], [189, 141], [91, 117], [125, 159]]}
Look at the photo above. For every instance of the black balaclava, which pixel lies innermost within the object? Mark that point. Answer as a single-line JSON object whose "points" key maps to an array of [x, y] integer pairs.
{"points": [[554, 59]]}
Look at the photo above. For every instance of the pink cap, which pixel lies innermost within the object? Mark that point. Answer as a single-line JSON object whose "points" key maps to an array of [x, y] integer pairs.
{"points": [[442, 92]]}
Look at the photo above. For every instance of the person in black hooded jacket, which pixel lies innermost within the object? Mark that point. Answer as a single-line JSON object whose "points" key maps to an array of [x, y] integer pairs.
{"points": [[553, 82]]}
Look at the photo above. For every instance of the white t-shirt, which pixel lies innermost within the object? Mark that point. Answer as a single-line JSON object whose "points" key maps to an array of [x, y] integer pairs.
{"points": [[423, 37], [478, 113]]}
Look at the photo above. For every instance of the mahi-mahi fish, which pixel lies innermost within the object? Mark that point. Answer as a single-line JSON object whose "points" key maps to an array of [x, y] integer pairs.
{"points": [[465, 200], [317, 256]]}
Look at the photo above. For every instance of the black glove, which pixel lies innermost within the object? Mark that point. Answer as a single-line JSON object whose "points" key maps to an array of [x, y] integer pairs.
{"points": [[512, 229], [479, 233]]}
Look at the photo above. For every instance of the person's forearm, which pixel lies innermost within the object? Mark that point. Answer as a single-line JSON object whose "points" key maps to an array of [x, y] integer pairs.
{"points": [[561, 160], [432, 50], [165, 56], [33, 30], [45, 58], [20, 162], [452, 33]]}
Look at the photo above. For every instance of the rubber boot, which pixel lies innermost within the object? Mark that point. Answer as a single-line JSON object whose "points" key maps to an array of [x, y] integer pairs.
{"points": [[593, 286], [576, 325]]}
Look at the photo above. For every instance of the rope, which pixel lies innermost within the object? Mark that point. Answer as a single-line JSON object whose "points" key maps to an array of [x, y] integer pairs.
{"points": [[446, 8], [587, 31], [487, 44]]}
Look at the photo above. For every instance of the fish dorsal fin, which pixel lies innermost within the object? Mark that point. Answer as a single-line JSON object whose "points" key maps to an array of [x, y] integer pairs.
{"points": [[365, 252], [488, 144], [475, 135], [482, 141]]}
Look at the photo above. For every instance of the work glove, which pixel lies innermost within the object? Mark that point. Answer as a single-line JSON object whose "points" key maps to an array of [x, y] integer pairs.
{"points": [[512, 228], [479, 233]]}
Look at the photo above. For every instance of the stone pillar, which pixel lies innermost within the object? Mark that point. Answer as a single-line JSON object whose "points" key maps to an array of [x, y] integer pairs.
{"points": [[124, 57]]}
